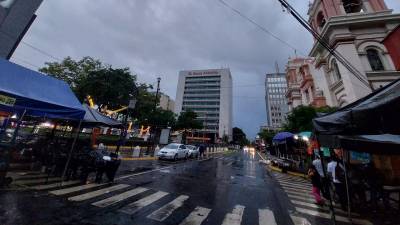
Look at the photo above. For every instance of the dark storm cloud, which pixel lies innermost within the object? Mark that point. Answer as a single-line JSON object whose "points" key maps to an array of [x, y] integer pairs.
{"points": [[160, 37]]}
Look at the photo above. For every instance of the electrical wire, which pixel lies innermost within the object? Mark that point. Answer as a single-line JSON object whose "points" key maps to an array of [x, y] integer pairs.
{"points": [[265, 30], [324, 43]]}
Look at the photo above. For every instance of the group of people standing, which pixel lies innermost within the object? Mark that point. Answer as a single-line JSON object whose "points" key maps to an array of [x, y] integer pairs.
{"points": [[322, 181]]}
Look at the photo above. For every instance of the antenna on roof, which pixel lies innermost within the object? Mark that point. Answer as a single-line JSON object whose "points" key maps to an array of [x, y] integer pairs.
{"points": [[276, 67]]}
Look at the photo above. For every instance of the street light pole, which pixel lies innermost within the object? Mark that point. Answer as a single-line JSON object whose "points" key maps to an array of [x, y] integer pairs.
{"points": [[158, 90]]}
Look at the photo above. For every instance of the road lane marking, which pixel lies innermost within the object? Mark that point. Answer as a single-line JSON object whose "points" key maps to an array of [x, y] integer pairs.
{"points": [[164, 212], [60, 184], [141, 203], [299, 193], [74, 189], [300, 189], [118, 198], [328, 216], [234, 218], [266, 217], [299, 220], [37, 181], [260, 156], [326, 207], [97, 193], [196, 217]]}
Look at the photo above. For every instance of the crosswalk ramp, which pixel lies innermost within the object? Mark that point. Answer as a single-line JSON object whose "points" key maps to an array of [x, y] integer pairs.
{"points": [[299, 193]]}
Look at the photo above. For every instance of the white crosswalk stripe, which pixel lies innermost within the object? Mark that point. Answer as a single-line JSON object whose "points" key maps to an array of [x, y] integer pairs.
{"points": [[164, 212], [300, 196], [54, 185], [328, 216], [120, 197], [266, 217], [36, 181], [97, 193], [234, 218], [74, 189], [141, 203], [196, 217], [299, 220]]}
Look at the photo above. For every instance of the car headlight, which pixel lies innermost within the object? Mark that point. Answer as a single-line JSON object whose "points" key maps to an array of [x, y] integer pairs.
{"points": [[107, 158]]}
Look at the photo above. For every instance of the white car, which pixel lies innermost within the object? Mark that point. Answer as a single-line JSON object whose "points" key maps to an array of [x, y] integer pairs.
{"points": [[193, 151], [173, 151]]}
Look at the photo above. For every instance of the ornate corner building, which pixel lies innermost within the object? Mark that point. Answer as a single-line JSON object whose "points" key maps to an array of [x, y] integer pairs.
{"points": [[366, 33]]}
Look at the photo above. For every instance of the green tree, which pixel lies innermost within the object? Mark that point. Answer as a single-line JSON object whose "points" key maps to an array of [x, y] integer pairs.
{"points": [[162, 118], [72, 71], [267, 136], [188, 120], [239, 137], [300, 118], [108, 86]]}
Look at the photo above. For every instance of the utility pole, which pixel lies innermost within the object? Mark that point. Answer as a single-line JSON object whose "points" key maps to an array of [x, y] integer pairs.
{"points": [[158, 90]]}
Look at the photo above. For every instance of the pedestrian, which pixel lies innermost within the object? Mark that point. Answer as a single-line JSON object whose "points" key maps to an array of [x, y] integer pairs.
{"points": [[202, 150], [316, 184], [317, 163], [338, 177]]}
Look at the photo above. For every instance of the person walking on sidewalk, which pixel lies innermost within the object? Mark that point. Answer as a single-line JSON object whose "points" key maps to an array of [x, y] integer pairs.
{"points": [[316, 184], [324, 180], [339, 183]]}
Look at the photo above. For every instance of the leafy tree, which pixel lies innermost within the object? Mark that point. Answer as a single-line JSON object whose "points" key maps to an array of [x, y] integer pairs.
{"points": [[267, 136], [162, 118], [187, 120], [300, 118], [72, 71], [108, 86], [239, 137]]}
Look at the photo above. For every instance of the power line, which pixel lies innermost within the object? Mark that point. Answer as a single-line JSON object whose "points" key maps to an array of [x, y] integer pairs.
{"points": [[11, 37], [265, 30], [326, 45]]}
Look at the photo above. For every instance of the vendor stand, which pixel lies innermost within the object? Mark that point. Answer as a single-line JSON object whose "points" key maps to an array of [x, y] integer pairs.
{"points": [[371, 125]]}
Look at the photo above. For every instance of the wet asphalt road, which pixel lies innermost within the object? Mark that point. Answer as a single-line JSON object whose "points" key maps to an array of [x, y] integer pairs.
{"points": [[232, 189]]}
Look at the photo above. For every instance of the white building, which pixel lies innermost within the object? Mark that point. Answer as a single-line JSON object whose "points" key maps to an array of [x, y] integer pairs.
{"points": [[355, 29], [166, 102], [209, 94], [275, 99]]}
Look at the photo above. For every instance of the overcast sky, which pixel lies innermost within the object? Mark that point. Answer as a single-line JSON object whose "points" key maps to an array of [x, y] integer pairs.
{"points": [[161, 37]]}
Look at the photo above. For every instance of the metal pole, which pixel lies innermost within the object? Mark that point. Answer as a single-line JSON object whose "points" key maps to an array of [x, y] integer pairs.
{"points": [[347, 186], [70, 152], [158, 90]]}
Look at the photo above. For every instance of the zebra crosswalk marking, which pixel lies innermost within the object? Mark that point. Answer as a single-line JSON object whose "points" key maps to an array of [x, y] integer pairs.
{"points": [[37, 181], [298, 193], [302, 198], [234, 218], [294, 184], [266, 217], [196, 217], [326, 207], [54, 185], [94, 194], [299, 220], [74, 189], [328, 216], [120, 197], [164, 212], [296, 188], [291, 179], [141, 203]]}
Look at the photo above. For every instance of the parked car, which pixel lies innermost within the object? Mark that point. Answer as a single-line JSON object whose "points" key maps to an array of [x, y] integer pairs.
{"points": [[173, 151], [193, 151]]}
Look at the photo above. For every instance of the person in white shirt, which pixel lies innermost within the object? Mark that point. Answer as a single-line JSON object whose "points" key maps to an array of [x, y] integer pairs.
{"points": [[331, 168], [324, 180]]}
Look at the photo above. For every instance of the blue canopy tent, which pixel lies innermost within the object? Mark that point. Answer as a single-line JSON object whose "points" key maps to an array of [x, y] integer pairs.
{"points": [[282, 138], [24, 91]]}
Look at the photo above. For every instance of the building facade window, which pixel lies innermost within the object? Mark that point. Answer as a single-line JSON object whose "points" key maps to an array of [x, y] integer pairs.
{"points": [[375, 60], [336, 75], [352, 6], [321, 23]]}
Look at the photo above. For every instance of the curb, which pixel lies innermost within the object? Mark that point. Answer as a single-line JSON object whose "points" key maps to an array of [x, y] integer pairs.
{"points": [[137, 159]]}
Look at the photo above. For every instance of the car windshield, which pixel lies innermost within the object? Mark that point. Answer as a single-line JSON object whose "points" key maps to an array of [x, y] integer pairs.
{"points": [[191, 147], [172, 146]]}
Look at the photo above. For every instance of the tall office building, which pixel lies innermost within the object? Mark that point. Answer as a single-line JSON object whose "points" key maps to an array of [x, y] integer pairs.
{"points": [[209, 94], [16, 16], [276, 87], [166, 102]]}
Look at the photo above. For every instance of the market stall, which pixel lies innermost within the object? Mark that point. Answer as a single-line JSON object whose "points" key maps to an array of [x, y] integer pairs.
{"points": [[24, 92]]}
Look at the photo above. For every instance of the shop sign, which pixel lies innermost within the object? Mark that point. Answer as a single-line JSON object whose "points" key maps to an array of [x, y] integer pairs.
{"points": [[5, 100]]}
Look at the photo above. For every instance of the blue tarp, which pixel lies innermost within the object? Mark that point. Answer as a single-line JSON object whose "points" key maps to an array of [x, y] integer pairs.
{"points": [[40, 95], [282, 137]]}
